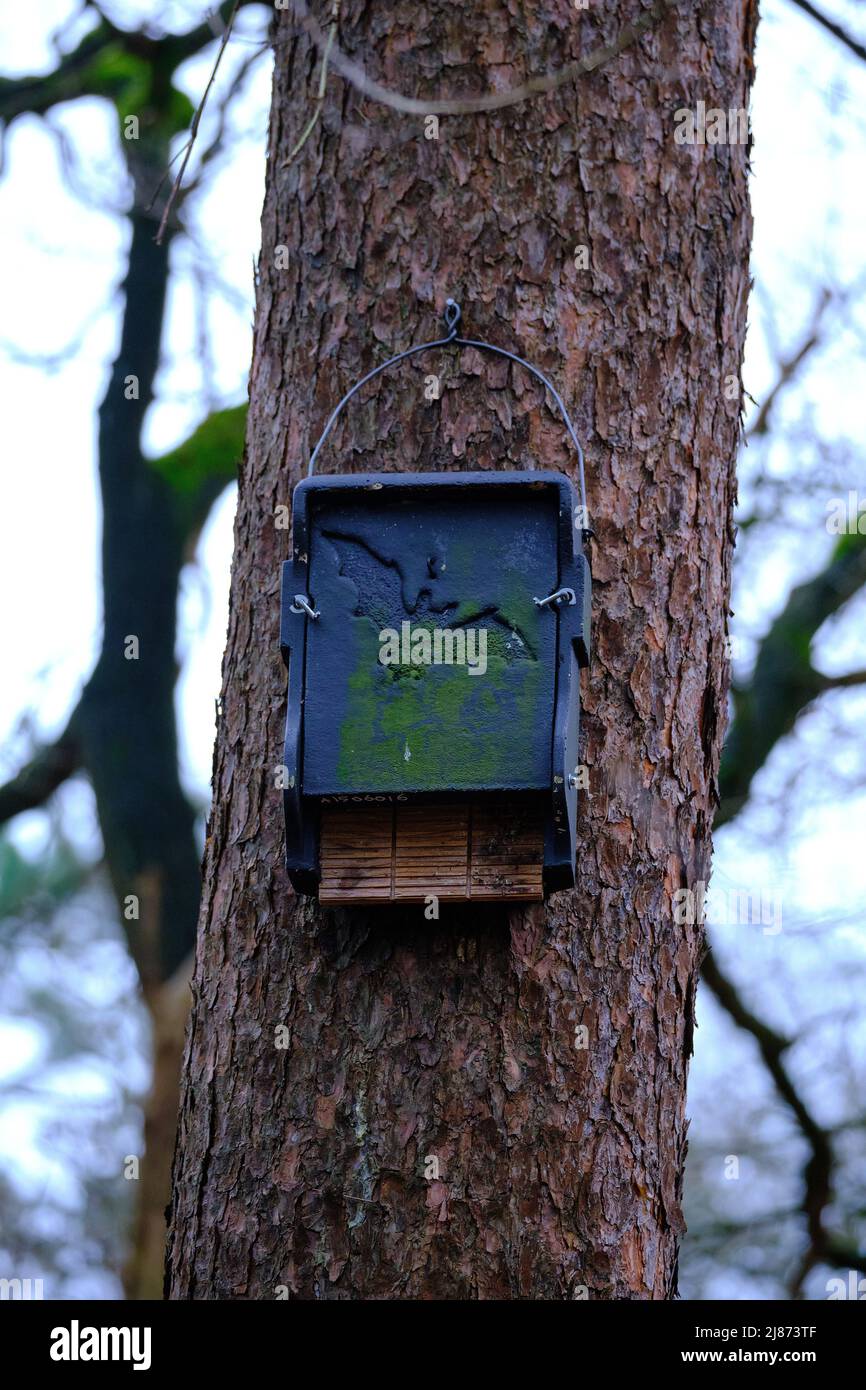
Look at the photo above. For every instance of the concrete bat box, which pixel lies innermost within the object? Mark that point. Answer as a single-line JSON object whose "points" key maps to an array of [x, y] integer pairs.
{"points": [[433, 627]]}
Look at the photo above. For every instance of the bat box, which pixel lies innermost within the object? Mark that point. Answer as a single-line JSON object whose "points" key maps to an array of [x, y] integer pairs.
{"points": [[433, 627]]}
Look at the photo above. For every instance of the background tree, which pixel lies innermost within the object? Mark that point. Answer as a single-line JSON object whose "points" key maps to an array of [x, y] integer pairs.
{"points": [[560, 1169], [783, 1008], [122, 732]]}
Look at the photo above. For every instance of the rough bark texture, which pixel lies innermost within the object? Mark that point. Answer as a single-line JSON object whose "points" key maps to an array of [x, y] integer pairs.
{"points": [[303, 1169]]}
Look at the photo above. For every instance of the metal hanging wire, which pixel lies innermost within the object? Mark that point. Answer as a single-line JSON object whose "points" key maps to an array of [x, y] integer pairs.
{"points": [[453, 318]]}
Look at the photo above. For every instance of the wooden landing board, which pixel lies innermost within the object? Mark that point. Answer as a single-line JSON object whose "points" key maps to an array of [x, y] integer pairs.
{"points": [[463, 851]]}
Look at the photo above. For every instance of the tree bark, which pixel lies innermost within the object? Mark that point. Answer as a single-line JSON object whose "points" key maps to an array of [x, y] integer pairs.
{"points": [[300, 1172]]}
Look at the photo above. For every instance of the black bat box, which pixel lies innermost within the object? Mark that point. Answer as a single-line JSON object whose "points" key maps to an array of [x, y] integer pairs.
{"points": [[433, 627]]}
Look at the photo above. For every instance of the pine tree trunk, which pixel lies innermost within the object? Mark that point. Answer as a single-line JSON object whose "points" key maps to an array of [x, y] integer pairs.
{"points": [[308, 1171]]}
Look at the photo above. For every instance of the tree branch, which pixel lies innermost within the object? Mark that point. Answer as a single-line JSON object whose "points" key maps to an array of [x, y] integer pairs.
{"points": [[37, 95], [492, 101], [193, 130], [844, 682], [832, 27], [79, 73], [215, 144], [46, 771], [788, 367], [818, 1170], [771, 1043], [320, 94], [200, 468], [179, 47], [784, 682]]}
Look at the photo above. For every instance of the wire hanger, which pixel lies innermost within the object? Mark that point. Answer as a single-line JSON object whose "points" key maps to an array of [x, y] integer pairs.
{"points": [[453, 318]]}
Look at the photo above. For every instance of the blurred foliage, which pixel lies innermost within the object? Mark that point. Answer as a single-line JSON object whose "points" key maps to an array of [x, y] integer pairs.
{"points": [[129, 82], [211, 453], [39, 884], [198, 470]]}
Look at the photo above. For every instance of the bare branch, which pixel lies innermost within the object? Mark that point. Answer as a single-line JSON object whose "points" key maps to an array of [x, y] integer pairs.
{"points": [[45, 772], [771, 1043], [183, 46], [53, 361], [850, 678], [818, 1170], [213, 147], [832, 27], [193, 130], [492, 101], [789, 366]]}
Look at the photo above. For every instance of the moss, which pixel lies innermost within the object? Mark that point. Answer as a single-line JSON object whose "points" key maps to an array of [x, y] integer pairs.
{"points": [[213, 450], [130, 83], [430, 727], [459, 730]]}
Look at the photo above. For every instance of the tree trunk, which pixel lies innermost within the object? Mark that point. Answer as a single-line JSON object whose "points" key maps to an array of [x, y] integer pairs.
{"points": [[308, 1171], [168, 1005]]}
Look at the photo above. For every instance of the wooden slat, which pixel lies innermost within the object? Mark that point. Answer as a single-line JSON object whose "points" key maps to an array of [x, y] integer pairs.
{"points": [[356, 849], [485, 851]]}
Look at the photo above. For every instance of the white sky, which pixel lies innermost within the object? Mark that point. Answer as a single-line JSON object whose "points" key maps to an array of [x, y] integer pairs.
{"points": [[60, 266]]}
